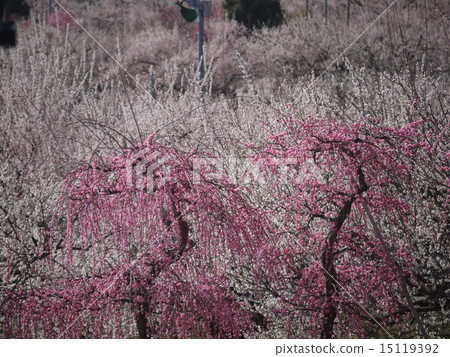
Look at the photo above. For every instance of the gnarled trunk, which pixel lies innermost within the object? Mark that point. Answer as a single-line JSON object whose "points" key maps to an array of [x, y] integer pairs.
{"points": [[331, 283], [142, 321]]}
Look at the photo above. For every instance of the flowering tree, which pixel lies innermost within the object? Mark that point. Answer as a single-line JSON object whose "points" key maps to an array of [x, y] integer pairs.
{"points": [[144, 246], [337, 184], [157, 243]]}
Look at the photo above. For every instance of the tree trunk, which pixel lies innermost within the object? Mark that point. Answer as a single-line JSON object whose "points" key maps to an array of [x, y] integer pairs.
{"points": [[330, 312], [331, 283], [142, 321], [331, 287]]}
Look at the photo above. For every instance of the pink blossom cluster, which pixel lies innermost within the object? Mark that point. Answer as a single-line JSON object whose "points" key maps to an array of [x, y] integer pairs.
{"points": [[149, 250], [62, 20]]}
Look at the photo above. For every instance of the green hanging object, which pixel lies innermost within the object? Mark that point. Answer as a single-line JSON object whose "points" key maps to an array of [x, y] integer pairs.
{"points": [[188, 14]]}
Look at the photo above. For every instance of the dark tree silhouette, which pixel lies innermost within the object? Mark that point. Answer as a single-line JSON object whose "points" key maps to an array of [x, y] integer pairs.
{"points": [[255, 13]]}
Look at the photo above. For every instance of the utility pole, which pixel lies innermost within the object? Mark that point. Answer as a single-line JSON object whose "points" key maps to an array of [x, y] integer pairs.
{"points": [[3, 10], [203, 9], [50, 6], [348, 12], [201, 40], [326, 10]]}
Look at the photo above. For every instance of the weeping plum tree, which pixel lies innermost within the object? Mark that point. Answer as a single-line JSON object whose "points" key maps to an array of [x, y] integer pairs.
{"points": [[332, 272], [145, 250], [157, 245]]}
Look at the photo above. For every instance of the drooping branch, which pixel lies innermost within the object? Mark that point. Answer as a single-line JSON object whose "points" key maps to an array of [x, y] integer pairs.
{"points": [[379, 235]]}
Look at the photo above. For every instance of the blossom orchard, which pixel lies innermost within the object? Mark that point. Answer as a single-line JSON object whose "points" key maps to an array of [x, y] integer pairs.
{"points": [[157, 242]]}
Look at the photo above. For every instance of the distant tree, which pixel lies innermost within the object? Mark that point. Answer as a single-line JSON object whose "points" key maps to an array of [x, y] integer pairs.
{"points": [[255, 13]]}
